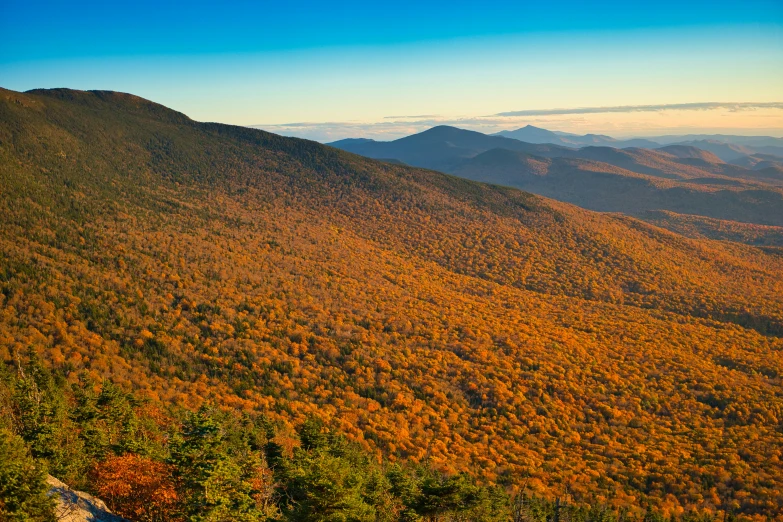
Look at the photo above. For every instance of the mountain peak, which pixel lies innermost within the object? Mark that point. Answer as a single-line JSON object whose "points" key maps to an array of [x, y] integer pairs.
{"points": [[440, 129], [690, 152], [443, 132]]}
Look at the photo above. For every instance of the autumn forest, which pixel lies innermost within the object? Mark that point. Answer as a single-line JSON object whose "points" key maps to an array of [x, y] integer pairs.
{"points": [[434, 348]]}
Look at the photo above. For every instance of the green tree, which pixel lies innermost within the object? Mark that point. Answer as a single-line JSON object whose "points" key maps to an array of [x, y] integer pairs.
{"points": [[23, 486], [42, 420], [459, 496], [328, 479], [325, 488], [214, 485]]}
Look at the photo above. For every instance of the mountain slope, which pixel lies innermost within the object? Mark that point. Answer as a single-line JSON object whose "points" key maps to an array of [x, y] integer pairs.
{"points": [[679, 178], [687, 152], [704, 227], [725, 151], [672, 162], [758, 161], [601, 186], [430, 317]]}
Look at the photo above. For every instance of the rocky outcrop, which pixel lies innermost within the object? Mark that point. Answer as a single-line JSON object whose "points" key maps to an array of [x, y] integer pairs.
{"points": [[77, 506]]}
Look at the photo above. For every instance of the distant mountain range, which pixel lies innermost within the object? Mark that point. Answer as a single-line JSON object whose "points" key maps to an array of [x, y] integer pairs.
{"points": [[749, 141], [443, 147], [698, 177], [533, 134], [727, 147]]}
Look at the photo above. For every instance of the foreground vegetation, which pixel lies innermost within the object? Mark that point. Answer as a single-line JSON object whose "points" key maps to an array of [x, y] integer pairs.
{"points": [[431, 320], [152, 463]]}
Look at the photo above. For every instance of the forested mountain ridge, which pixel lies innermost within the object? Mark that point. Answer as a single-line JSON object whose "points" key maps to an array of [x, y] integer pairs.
{"points": [[675, 178], [429, 317], [604, 187]]}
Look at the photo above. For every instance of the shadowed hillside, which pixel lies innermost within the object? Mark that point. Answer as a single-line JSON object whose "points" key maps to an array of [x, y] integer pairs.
{"points": [[759, 161], [677, 178], [703, 227], [430, 318], [601, 186]]}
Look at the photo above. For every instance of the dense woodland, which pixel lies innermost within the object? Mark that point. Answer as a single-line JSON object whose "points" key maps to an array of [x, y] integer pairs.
{"points": [[438, 325], [153, 463]]}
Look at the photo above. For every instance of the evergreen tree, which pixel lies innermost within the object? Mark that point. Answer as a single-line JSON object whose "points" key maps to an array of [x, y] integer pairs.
{"points": [[325, 488], [23, 487], [213, 484], [42, 420]]}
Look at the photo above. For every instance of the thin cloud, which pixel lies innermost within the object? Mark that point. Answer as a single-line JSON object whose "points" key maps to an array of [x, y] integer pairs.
{"points": [[702, 106], [419, 116]]}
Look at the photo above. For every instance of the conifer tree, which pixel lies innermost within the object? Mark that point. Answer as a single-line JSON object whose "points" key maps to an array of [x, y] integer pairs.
{"points": [[23, 487]]}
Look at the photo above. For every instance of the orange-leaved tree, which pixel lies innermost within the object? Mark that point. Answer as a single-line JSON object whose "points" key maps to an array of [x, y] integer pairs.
{"points": [[136, 487]]}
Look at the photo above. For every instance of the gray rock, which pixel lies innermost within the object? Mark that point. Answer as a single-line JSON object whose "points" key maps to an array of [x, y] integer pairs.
{"points": [[77, 506]]}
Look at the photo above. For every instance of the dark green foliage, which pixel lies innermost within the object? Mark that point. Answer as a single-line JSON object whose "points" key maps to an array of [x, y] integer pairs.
{"points": [[214, 472], [458, 496], [109, 423], [323, 487], [22, 483], [312, 434], [327, 480], [40, 414]]}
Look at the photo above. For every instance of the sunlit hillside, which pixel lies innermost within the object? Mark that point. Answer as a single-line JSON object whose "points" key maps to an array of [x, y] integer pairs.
{"points": [[430, 318]]}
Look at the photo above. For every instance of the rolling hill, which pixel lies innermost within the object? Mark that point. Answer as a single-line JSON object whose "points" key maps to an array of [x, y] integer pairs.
{"points": [[703, 227], [531, 134], [648, 184], [726, 147], [688, 152], [629, 180], [725, 151], [758, 161], [745, 141], [431, 318]]}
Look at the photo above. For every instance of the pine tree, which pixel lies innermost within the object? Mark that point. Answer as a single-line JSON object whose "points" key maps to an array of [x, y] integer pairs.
{"points": [[23, 487], [42, 420], [211, 480]]}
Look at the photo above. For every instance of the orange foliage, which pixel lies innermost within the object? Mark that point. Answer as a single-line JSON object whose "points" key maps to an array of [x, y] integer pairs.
{"points": [[136, 487], [477, 327]]}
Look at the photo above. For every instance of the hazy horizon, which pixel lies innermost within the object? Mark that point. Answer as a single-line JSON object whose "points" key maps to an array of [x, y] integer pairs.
{"points": [[388, 131]]}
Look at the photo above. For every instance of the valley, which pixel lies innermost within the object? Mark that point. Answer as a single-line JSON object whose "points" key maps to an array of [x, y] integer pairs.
{"points": [[680, 178]]}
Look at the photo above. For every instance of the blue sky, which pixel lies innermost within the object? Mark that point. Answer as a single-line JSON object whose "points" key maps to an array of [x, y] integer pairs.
{"points": [[329, 70]]}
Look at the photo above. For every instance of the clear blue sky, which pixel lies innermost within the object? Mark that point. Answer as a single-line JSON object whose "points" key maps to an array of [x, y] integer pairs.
{"points": [[361, 62]]}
